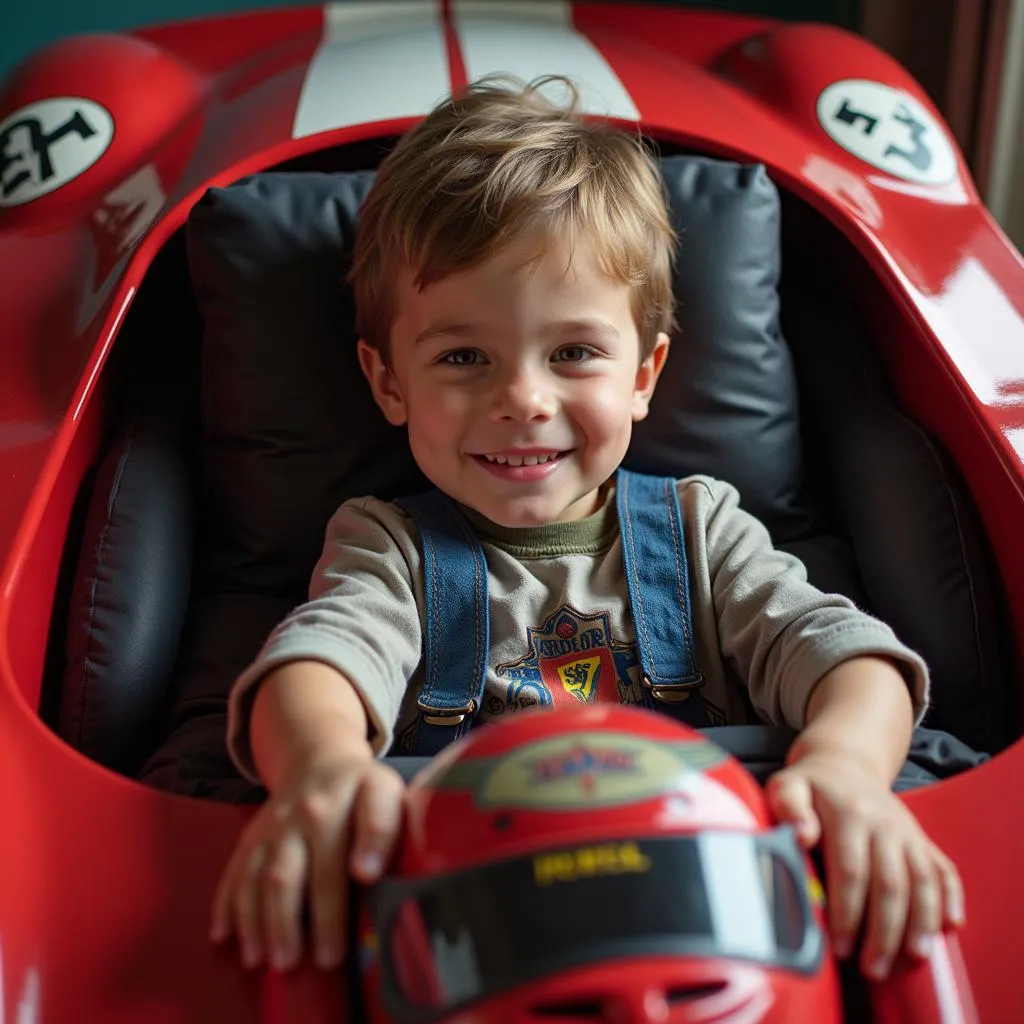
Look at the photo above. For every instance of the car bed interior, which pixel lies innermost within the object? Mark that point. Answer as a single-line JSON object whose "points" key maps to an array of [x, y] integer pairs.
{"points": [[236, 419]]}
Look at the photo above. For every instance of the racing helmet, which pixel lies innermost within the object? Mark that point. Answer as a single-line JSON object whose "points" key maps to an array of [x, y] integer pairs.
{"points": [[599, 864]]}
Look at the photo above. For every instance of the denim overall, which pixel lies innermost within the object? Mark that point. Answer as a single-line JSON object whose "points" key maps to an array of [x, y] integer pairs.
{"points": [[457, 605]]}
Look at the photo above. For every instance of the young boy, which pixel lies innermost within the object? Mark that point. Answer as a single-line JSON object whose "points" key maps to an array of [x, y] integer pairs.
{"points": [[512, 280]]}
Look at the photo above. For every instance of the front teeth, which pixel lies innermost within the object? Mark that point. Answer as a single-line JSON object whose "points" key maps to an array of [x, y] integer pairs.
{"points": [[521, 460]]}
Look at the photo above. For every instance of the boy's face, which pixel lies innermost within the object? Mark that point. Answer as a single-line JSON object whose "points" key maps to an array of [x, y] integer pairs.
{"points": [[519, 382]]}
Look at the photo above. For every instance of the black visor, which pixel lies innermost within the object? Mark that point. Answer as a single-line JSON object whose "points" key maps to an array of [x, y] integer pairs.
{"points": [[446, 941]]}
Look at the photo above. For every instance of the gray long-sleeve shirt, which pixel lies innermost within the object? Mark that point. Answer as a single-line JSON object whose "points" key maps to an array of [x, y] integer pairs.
{"points": [[561, 627]]}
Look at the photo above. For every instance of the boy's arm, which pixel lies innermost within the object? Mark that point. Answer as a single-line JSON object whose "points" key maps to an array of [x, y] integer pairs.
{"points": [[782, 635], [305, 712], [880, 865], [861, 709], [306, 719], [817, 663], [350, 651], [332, 806]]}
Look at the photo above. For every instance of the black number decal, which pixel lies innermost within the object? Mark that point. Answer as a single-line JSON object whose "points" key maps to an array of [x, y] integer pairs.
{"points": [[920, 156], [24, 140], [848, 115]]}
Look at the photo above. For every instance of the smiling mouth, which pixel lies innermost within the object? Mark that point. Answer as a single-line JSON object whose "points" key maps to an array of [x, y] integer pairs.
{"points": [[521, 460]]}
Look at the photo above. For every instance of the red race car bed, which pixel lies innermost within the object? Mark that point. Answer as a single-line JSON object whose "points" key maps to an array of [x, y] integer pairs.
{"points": [[903, 309]]}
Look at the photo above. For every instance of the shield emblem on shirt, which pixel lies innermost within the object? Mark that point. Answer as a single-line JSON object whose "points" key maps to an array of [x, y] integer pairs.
{"points": [[577, 678], [571, 658]]}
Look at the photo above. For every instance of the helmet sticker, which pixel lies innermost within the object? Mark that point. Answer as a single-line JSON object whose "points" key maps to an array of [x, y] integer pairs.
{"points": [[581, 771], [589, 862], [368, 950], [815, 891]]}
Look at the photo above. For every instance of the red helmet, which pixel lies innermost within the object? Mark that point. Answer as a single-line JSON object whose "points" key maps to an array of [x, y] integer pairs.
{"points": [[600, 864]]}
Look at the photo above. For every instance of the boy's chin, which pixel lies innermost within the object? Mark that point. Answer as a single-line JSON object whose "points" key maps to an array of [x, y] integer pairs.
{"points": [[526, 514], [515, 519]]}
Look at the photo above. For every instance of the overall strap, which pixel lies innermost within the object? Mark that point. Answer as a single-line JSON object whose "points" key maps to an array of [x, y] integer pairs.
{"points": [[456, 638], [654, 552]]}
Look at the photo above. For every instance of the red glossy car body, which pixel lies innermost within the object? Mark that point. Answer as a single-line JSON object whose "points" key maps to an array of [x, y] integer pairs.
{"points": [[105, 886]]}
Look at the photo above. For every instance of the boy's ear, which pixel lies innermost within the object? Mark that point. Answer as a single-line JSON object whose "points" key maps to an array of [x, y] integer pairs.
{"points": [[383, 384], [647, 377]]}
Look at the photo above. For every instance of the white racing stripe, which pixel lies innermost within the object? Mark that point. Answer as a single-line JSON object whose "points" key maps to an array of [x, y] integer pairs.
{"points": [[379, 61], [376, 61], [529, 38]]}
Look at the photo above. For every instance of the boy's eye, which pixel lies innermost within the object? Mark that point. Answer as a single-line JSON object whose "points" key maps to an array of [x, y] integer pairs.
{"points": [[574, 354], [461, 357]]}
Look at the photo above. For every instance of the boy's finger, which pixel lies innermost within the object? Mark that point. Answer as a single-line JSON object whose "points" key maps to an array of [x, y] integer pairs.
{"points": [[221, 920], [791, 799], [378, 815], [847, 873], [245, 900], [327, 888], [952, 891], [888, 906], [281, 902], [925, 918]]}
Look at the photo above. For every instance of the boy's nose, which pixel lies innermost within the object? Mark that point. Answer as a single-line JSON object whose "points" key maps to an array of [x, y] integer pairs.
{"points": [[524, 397]]}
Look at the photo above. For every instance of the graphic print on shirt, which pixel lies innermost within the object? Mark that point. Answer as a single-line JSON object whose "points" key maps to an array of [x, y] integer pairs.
{"points": [[571, 659]]}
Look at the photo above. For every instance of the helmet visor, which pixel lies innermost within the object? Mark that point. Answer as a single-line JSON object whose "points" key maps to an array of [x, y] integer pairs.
{"points": [[449, 940]]}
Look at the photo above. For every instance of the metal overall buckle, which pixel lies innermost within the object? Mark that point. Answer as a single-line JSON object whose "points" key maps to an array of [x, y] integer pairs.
{"points": [[673, 693], [446, 716]]}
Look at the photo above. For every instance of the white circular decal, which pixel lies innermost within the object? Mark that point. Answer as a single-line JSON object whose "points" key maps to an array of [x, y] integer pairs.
{"points": [[888, 129], [49, 143]]}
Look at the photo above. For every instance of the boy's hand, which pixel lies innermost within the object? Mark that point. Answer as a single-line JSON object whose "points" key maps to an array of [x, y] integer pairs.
{"points": [[296, 845], [877, 858]]}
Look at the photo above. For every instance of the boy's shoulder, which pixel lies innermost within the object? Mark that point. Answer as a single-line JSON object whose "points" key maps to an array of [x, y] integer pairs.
{"points": [[370, 507], [700, 482], [704, 490], [709, 497], [361, 519]]}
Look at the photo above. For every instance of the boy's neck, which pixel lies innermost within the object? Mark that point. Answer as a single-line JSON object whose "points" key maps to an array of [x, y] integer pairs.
{"points": [[589, 535]]}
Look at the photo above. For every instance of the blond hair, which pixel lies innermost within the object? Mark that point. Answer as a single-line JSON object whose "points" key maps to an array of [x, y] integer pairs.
{"points": [[501, 162]]}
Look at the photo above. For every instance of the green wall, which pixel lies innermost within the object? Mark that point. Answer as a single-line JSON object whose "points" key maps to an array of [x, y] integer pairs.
{"points": [[27, 25]]}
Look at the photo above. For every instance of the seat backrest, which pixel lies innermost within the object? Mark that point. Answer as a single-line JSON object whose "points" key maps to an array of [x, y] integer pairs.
{"points": [[921, 556], [289, 430], [119, 641]]}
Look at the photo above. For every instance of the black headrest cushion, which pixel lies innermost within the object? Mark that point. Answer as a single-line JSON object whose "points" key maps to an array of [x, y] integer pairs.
{"points": [[291, 430]]}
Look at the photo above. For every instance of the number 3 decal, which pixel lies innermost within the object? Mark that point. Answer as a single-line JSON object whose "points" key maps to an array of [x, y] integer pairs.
{"points": [[888, 129], [48, 143]]}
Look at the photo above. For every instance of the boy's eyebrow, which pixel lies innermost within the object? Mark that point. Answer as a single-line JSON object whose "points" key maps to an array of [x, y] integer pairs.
{"points": [[448, 328], [594, 325]]}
